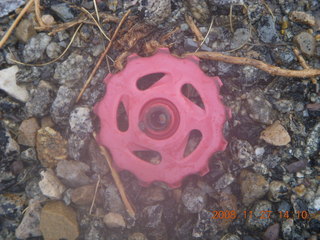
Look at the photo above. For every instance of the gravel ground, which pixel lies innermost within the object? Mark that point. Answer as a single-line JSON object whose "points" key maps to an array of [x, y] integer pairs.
{"points": [[265, 185]]}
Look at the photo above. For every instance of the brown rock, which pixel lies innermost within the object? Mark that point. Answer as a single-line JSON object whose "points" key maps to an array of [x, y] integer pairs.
{"points": [[276, 135], [253, 186], [303, 17], [58, 221], [114, 220], [25, 30], [83, 195], [300, 190], [152, 195], [47, 19], [228, 204], [51, 147], [27, 132], [137, 236], [46, 122]]}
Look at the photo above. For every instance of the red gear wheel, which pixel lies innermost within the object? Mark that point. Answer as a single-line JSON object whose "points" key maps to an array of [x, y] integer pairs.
{"points": [[161, 118]]}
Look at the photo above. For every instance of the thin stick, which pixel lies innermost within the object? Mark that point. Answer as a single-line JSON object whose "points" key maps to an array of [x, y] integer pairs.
{"points": [[273, 70], [96, 9], [230, 18], [209, 30], [54, 60], [102, 56], [95, 194], [15, 23], [194, 28], [38, 13], [117, 180], [303, 63], [95, 21]]}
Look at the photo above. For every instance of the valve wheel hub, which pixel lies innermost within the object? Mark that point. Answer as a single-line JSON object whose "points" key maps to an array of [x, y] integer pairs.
{"points": [[162, 100]]}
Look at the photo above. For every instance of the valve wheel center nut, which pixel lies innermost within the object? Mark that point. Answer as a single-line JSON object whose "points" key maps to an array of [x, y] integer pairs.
{"points": [[159, 118], [150, 113]]}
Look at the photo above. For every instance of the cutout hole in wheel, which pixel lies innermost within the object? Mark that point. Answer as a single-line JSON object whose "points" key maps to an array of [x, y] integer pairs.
{"points": [[150, 156], [195, 137], [192, 94], [122, 118], [147, 81]]}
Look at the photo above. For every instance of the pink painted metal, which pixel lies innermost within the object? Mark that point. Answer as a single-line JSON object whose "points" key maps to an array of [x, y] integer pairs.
{"points": [[176, 116]]}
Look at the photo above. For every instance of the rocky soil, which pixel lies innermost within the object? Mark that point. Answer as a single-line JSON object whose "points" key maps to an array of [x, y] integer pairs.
{"points": [[265, 185]]}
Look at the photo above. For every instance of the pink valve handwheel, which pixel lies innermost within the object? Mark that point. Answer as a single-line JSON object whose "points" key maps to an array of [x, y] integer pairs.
{"points": [[161, 117]]}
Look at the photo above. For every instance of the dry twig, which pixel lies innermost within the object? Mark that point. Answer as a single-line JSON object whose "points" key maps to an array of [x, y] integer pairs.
{"points": [[117, 180], [96, 9], [103, 55], [303, 63], [209, 30], [194, 28], [230, 18], [38, 13], [95, 194], [95, 21], [273, 70], [15, 23]]}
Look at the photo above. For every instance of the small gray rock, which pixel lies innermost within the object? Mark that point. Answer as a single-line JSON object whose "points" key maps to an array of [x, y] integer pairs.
{"points": [[62, 105], [204, 224], [313, 140], [53, 50], [28, 75], [230, 237], [283, 55], [260, 109], [112, 199], [287, 228], [77, 144], [272, 232], [40, 101], [224, 181], [267, 30], [63, 11], [73, 173], [240, 37], [191, 45], [284, 105], [156, 11], [80, 120], [35, 48], [29, 155], [306, 43], [7, 6], [194, 199], [242, 152], [97, 161], [152, 215], [30, 224], [9, 148], [256, 222], [73, 70]]}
